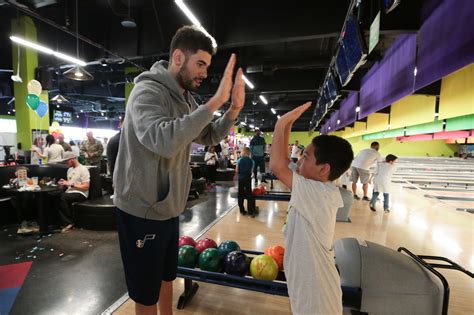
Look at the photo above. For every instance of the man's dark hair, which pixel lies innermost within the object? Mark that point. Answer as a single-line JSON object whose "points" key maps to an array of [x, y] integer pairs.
{"points": [[335, 151], [374, 144], [390, 158], [190, 39]]}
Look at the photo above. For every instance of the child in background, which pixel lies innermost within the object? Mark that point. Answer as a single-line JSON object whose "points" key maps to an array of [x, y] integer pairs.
{"points": [[211, 165], [314, 284], [382, 178], [244, 170]]}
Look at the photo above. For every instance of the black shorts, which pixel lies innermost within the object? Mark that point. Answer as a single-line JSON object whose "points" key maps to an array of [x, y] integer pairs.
{"points": [[149, 251]]}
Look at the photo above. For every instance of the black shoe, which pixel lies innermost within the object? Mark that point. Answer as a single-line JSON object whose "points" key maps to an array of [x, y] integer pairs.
{"points": [[252, 215], [244, 212], [356, 197], [372, 208], [366, 198]]}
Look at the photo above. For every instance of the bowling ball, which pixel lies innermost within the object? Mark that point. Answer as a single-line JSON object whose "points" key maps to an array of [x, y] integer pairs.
{"points": [[210, 260], [263, 267], [226, 247], [186, 240], [187, 256], [277, 253], [258, 191], [235, 263], [201, 245]]}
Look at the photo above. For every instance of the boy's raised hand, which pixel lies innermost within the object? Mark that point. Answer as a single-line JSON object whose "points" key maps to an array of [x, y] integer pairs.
{"points": [[292, 116]]}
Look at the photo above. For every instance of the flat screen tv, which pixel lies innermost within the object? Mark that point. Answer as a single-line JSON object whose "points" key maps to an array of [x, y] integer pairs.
{"points": [[62, 117], [353, 48]]}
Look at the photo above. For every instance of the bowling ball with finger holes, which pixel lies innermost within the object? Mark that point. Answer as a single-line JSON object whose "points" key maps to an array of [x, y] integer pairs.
{"points": [[210, 260], [226, 247], [203, 244], [187, 256], [264, 267], [277, 253], [235, 263], [186, 240]]}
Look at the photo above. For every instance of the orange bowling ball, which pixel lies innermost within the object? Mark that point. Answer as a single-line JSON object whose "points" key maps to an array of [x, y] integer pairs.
{"points": [[277, 253]]}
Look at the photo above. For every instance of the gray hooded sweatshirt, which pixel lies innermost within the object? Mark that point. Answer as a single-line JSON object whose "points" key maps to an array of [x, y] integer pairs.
{"points": [[152, 175]]}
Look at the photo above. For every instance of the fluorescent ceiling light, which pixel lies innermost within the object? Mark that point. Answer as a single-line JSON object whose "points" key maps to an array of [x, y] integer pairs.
{"points": [[47, 50], [194, 20], [263, 99], [217, 114], [249, 84], [273, 111], [357, 109], [59, 98], [252, 126], [243, 123], [278, 116]]}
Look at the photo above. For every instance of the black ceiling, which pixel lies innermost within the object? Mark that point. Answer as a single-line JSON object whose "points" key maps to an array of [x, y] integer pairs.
{"points": [[287, 45]]}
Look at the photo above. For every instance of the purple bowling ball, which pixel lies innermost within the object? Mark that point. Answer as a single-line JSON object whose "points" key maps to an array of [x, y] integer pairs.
{"points": [[235, 263]]}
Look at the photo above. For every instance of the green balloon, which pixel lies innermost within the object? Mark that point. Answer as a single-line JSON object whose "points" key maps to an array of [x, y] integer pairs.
{"points": [[32, 101]]}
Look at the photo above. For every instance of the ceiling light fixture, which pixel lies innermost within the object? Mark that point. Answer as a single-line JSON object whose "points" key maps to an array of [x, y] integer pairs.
{"points": [[273, 111], [128, 21], [263, 99], [59, 98], [249, 84], [194, 20], [357, 109], [16, 78], [78, 73], [47, 50], [278, 116]]}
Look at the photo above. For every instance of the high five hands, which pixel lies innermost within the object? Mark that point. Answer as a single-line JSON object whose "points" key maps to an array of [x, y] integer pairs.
{"points": [[225, 90]]}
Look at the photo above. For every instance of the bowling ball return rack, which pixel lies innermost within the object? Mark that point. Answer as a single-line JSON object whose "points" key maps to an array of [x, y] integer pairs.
{"points": [[351, 296]]}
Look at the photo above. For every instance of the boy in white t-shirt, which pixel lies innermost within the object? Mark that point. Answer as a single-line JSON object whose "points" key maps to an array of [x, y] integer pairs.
{"points": [[313, 281], [382, 180]]}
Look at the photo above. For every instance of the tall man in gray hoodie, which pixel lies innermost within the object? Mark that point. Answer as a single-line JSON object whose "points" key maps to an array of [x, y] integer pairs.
{"points": [[152, 174]]}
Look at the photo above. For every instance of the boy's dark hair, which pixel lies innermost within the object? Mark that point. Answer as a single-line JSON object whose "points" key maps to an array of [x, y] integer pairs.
{"points": [[374, 144], [390, 158], [190, 39], [335, 151]]}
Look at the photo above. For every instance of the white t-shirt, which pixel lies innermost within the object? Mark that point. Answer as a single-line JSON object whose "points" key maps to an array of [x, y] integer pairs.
{"points": [[34, 154], [366, 158], [208, 158], [78, 175], [54, 152], [224, 149], [75, 150], [383, 177], [313, 282], [294, 151]]}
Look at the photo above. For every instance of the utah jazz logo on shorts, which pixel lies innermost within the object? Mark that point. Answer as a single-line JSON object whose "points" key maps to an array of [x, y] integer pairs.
{"points": [[140, 243]]}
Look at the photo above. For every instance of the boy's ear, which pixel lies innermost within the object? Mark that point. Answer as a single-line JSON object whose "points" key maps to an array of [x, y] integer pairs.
{"points": [[325, 170]]}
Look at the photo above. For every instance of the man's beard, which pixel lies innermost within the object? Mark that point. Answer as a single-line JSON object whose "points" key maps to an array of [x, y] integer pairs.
{"points": [[184, 79]]}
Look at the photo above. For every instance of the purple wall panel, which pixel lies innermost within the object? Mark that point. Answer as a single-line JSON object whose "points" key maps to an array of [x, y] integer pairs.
{"points": [[347, 113], [333, 121], [390, 79], [445, 41]]}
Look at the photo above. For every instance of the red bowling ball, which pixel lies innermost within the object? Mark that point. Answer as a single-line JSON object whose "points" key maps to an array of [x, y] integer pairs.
{"points": [[186, 240], [203, 244]]}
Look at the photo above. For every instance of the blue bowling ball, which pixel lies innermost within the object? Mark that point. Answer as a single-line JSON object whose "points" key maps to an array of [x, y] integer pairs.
{"points": [[235, 263]]}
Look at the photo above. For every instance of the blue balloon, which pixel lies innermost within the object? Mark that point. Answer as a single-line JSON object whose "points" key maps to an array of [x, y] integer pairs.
{"points": [[42, 109]]}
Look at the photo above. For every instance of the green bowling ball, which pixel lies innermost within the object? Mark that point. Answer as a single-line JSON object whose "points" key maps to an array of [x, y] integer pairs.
{"points": [[226, 247], [187, 256], [210, 260]]}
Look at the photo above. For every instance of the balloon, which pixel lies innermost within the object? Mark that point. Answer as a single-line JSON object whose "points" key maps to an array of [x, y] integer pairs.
{"points": [[34, 87], [32, 101], [55, 124], [42, 109]]}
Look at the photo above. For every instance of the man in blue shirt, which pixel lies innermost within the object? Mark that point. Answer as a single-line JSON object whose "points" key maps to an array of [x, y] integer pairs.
{"points": [[243, 170], [257, 147]]}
